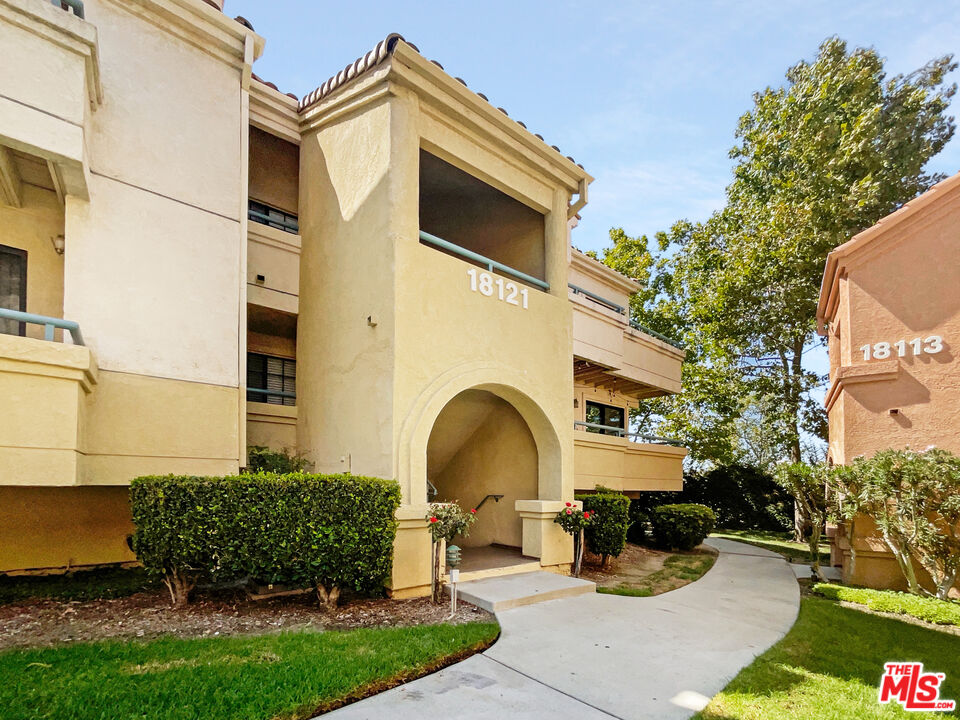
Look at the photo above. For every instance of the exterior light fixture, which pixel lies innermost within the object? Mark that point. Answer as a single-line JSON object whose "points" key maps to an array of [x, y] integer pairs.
{"points": [[59, 244]]}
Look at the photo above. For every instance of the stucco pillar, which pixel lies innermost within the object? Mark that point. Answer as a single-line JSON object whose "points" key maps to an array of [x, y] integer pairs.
{"points": [[556, 242], [542, 537]]}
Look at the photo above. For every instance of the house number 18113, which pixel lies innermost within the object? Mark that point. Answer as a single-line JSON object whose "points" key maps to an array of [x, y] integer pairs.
{"points": [[486, 284], [880, 351]]}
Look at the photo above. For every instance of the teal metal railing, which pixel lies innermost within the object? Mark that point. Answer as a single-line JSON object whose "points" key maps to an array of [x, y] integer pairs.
{"points": [[577, 290], [620, 432], [625, 312], [75, 5], [491, 265], [271, 393], [49, 324]]}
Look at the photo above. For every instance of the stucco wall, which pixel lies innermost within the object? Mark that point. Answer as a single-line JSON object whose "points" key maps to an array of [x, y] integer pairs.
{"points": [[274, 171], [498, 457], [58, 528], [32, 228]]}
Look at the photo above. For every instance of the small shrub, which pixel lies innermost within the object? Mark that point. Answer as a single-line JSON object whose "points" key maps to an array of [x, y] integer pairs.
{"points": [[574, 521], [682, 527], [941, 612], [332, 531], [606, 535], [263, 459]]}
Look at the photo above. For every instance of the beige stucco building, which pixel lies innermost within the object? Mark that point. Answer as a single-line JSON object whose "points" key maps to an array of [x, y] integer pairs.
{"points": [[890, 309], [378, 277]]}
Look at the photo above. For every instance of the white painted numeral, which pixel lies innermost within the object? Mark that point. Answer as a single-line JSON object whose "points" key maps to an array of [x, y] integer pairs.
{"points": [[881, 350], [483, 282], [901, 347], [865, 349], [511, 293], [934, 344]]}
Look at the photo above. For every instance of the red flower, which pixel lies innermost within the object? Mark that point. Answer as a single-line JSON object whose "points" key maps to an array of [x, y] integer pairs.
{"points": [[569, 505], [569, 511], [433, 520], [587, 514], [474, 510]]}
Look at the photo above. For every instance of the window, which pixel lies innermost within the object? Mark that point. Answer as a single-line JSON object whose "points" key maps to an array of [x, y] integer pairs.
{"points": [[267, 376], [609, 415], [266, 215], [13, 287]]}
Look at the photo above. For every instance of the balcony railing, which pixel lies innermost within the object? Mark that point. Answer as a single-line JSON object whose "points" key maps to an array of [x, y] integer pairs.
{"points": [[49, 324], [266, 215], [620, 432], [619, 309], [491, 265]]}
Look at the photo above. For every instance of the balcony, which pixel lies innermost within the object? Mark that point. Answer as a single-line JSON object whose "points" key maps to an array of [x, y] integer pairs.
{"points": [[273, 259], [625, 461], [610, 349], [45, 386], [45, 114]]}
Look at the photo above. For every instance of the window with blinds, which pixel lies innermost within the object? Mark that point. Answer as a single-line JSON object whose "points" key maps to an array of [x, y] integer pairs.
{"points": [[271, 380], [13, 287]]}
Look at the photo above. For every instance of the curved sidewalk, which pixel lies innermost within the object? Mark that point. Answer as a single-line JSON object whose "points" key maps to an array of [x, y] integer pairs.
{"points": [[602, 656]]}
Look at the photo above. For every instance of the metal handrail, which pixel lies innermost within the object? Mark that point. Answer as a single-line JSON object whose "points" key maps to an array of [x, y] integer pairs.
{"points": [[491, 265], [290, 226], [598, 298], [75, 5], [49, 323], [272, 393], [620, 432], [659, 336]]}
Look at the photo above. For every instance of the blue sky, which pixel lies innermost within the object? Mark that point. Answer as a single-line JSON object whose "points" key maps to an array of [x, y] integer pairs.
{"points": [[646, 95]]}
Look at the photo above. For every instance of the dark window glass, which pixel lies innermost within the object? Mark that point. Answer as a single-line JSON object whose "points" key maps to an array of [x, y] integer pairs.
{"points": [[265, 372], [609, 415], [13, 287], [266, 215]]}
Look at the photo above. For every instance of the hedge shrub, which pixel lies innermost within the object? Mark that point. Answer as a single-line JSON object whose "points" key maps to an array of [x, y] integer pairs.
{"points": [[606, 535], [637, 531], [941, 612], [682, 527], [332, 531]]}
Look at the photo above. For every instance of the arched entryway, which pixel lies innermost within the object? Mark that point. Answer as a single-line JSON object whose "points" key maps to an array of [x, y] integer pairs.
{"points": [[481, 446]]}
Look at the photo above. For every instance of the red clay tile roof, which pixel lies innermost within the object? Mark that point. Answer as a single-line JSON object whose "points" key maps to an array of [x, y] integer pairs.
{"points": [[373, 58]]}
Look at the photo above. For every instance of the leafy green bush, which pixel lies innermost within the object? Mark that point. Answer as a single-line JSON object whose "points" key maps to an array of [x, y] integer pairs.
{"points": [[263, 459], [941, 612], [742, 497], [332, 531], [606, 534], [682, 527]]}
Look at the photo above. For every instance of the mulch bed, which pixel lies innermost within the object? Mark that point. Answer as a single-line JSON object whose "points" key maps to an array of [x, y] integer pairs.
{"points": [[147, 615]]}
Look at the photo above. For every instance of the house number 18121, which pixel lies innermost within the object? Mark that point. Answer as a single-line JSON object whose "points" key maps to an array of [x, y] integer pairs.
{"points": [[486, 284], [882, 350]]}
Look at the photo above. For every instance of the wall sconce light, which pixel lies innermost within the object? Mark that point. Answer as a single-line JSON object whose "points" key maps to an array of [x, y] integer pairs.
{"points": [[261, 279], [59, 244], [894, 411]]}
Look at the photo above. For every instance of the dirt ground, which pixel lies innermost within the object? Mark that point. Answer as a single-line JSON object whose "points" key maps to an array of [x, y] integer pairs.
{"points": [[149, 614], [641, 567]]}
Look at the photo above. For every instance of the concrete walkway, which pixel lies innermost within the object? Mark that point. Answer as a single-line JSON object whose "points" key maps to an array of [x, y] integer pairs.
{"points": [[603, 656]]}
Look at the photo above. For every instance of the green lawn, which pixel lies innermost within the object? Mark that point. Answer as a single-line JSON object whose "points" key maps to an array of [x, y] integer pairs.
{"points": [[941, 612], [828, 667], [778, 542], [677, 571], [288, 675], [80, 585]]}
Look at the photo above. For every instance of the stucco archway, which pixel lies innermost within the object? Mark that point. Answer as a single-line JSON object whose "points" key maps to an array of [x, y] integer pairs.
{"points": [[554, 459]]}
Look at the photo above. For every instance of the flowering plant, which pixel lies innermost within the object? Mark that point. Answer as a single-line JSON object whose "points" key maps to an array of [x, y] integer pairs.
{"points": [[572, 519], [447, 520]]}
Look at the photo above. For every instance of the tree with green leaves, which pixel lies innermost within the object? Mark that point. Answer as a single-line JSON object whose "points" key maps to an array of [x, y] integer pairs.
{"points": [[829, 153], [808, 485]]}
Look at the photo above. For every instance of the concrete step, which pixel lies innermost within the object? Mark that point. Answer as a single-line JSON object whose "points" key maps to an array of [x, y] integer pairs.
{"points": [[511, 591], [481, 574]]}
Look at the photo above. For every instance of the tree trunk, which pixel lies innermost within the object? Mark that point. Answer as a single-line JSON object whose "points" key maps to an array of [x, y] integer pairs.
{"points": [[437, 577], [179, 583], [945, 584], [906, 564], [577, 553], [815, 550], [328, 598]]}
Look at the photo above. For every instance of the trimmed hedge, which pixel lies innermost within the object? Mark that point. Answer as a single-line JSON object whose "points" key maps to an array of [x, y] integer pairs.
{"points": [[333, 531], [606, 535], [941, 612], [682, 527]]}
